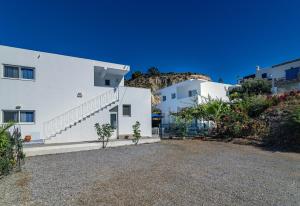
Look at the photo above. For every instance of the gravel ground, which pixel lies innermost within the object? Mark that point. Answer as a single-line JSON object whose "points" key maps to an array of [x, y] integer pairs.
{"points": [[190, 172]]}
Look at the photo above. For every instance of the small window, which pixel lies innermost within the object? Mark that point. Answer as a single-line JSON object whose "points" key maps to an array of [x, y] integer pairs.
{"points": [[126, 110], [173, 95], [107, 82], [11, 71], [192, 93], [10, 116], [26, 116], [264, 75], [164, 98], [27, 73]]}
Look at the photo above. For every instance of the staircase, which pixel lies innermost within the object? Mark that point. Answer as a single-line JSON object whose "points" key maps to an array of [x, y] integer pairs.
{"points": [[73, 116]]}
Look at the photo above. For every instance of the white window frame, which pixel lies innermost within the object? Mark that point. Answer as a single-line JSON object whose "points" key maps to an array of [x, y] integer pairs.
{"points": [[20, 72], [19, 115]]}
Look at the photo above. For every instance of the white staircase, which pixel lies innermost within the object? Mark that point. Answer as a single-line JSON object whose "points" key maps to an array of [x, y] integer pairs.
{"points": [[79, 113]]}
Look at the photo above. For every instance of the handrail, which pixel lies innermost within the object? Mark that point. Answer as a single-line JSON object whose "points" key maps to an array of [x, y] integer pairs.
{"points": [[66, 119]]}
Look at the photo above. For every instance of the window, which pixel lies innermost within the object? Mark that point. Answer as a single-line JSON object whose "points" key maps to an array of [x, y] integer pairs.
{"points": [[18, 72], [192, 93], [26, 116], [264, 75], [10, 116], [107, 82], [11, 72], [126, 110], [173, 95], [27, 73], [164, 98], [19, 116]]}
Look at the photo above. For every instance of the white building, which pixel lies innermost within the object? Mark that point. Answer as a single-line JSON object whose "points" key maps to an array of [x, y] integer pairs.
{"points": [[284, 76], [285, 70], [187, 94], [56, 98]]}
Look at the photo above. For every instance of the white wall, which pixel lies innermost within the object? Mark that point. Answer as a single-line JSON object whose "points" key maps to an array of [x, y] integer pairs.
{"points": [[181, 101], [54, 91], [277, 72], [215, 90], [203, 88], [140, 111], [140, 101]]}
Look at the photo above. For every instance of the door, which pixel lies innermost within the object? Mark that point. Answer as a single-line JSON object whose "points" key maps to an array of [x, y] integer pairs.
{"points": [[114, 123]]}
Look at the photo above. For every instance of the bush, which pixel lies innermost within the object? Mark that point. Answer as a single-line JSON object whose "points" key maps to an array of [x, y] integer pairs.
{"points": [[284, 124], [136, 132], [136, 74], [11, 147], [251, 87], [153, 71], [256, 105], [104, 132]]}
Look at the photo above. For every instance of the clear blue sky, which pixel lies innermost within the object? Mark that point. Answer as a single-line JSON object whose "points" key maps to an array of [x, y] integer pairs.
{"points": [[219, 38]]}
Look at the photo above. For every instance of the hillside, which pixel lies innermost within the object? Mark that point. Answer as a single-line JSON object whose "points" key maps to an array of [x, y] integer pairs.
{"points": [[160, 80]]}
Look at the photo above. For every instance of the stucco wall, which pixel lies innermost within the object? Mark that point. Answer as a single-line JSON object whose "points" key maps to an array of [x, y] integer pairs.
{"points": [[278, 71], [203, 88], [215, 90]]}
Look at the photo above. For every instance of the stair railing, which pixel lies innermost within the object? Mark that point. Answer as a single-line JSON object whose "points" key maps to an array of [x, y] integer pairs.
{"points": [[74, 115]]}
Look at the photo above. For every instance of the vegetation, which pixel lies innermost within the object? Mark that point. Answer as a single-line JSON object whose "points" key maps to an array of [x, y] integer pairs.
{"points": [[136, 132], [252, 114], [136, 74], [11, 153], [104, 132], [251, 87], [153, 71]]}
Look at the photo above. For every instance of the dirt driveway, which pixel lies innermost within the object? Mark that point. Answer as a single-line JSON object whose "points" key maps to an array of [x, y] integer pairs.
{"points": [[190, 172]]}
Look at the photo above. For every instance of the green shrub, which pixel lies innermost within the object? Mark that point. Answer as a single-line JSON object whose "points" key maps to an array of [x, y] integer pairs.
{"points": [[284, 126], [11, 147], [256, 105], [104, 132], [136, 132], [251, 87]]}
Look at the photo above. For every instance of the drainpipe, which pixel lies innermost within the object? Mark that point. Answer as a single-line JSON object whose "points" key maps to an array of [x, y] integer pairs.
{"points": [[118, 98]]}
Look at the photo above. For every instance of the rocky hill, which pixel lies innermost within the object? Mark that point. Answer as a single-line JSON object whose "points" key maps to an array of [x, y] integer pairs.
{"points": [[157, 81]]}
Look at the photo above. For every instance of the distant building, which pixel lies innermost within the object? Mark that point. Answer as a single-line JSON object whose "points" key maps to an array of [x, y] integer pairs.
{"points": [[187, 94], [251, 76], [284, 76], [287, 70]]}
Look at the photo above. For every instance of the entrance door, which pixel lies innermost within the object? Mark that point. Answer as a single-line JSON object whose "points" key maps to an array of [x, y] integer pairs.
{"points": [[114, 123]]}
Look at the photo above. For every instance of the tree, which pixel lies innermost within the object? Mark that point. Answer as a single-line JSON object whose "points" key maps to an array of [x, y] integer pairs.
{"points": [[136, 132], [104, 132], [221, 80], [153, 71], [136, 74], [251, 87]]}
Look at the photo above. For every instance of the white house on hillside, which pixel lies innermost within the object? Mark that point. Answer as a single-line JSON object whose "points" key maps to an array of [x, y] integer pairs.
{"points": [[284, 76], [285, 70], [57, 99], [188, 93]]}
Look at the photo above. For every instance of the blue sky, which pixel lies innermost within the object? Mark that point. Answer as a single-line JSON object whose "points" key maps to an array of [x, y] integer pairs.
{"points": [[219, 38]]}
